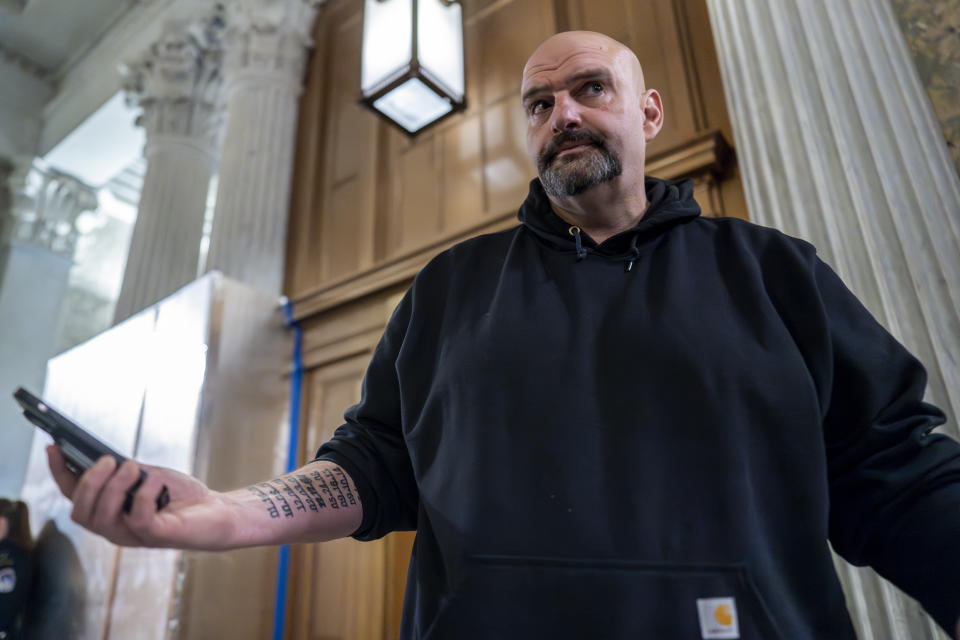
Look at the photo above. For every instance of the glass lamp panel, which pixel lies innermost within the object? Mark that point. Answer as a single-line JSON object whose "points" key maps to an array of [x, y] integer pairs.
{"points": [[440, 44], [413, 105], [387, 41]]}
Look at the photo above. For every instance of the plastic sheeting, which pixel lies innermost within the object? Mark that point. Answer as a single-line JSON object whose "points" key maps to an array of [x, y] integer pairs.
{"points": [[198, 383]]}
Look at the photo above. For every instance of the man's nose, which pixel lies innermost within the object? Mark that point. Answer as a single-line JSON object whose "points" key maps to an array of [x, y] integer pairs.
{"points": [[566, 114]]}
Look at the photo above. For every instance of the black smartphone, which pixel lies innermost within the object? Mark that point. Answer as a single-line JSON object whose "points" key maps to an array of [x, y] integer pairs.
{"points": [[80, 448]]}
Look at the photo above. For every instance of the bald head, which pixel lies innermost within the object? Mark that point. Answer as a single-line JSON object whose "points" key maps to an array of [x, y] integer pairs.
{"points": [[589, 118], [560, 48]]}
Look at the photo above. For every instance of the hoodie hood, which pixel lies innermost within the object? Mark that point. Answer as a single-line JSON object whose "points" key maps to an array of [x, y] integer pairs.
{"points": [[671, 203]]}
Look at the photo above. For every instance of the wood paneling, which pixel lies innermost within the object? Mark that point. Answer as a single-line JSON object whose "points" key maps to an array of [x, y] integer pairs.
{"points": [[413, 216], [507, 35], [347, 222], [344, 589], [506, 172], [462, 174], [338, 585]]}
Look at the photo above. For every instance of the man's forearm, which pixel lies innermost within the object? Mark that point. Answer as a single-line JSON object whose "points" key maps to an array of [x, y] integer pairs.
{"points": [[317, 502]]}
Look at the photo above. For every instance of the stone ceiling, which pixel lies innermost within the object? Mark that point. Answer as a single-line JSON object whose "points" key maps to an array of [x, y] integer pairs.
{"points": [[44, 36]]}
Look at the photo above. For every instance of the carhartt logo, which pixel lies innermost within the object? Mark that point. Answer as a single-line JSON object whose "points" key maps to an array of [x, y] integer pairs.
{"points": [[718, 618]]}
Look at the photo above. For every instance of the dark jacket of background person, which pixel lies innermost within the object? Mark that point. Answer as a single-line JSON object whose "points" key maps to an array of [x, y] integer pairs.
{"points": [[16, 570]]}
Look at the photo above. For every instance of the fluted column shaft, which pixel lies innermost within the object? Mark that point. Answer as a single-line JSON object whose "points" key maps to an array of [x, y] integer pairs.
{"points": [[266, 45], [165, 246], [178, 84], [839, 145]]}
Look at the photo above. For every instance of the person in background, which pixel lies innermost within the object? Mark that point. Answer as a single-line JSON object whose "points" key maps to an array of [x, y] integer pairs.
{"points": [[16, 545]]}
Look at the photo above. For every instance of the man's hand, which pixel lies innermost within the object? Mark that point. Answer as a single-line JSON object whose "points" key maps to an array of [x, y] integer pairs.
{"points": [[195, 518], [317, 502]]}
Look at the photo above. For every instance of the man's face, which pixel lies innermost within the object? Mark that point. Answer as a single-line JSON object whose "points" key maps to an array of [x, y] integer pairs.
{"points": [[583, 97]]}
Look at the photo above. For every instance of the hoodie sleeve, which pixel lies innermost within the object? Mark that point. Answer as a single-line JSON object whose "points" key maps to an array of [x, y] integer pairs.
{"points": [[894, 485], [370, 445]]}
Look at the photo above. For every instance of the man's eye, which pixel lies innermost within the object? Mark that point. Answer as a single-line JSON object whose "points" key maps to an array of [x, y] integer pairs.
{"points": [[538, 106], [594, 87]]}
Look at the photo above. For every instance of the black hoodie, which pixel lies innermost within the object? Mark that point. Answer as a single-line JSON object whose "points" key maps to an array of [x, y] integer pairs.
{"points": [[649, 438]]}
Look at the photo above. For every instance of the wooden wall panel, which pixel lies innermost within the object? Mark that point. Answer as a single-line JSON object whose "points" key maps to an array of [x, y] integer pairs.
{"points": [[507, 171], [303, 229], [510, 32], [474, 164], [517, 28], [412, 215], [344, 589], [346, 243], [708, 94], [338, 585], [462, 174]]}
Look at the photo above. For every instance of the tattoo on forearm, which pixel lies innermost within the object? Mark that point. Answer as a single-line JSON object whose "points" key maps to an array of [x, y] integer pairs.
{"points": [[318, 478], [300, 489], [297, 502], [267, 500], [314, 492], [274, 493], [305, 482], [344, 487]]}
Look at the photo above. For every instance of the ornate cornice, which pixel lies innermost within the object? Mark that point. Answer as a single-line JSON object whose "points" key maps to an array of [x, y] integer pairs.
{"points": [[178, 83], [45, 205], [267, 40]]}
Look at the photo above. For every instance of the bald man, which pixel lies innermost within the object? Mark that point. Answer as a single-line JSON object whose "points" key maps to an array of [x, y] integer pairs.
{"points": [[589, 121], [616, 420]]}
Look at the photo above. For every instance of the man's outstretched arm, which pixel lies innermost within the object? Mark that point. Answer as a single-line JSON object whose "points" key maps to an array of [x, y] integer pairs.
{"points": [[318, 501]]}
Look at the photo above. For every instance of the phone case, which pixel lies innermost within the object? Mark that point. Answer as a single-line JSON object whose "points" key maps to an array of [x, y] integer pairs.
{"points": [[80, 448]]}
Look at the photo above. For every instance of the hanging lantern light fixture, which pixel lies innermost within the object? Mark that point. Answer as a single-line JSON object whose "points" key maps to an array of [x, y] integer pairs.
{"points": [[412, 61]]}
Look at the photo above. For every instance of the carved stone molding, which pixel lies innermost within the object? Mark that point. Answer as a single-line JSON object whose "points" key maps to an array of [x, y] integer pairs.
{"points": [[266, 41], [178, 83], [44, 207]]}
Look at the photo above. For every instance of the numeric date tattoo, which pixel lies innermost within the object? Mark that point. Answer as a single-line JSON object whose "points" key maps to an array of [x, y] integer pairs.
{"points": [[313, 491]]}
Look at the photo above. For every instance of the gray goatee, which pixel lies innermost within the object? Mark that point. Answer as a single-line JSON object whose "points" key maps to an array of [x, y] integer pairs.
{"points": [[572, 175]]}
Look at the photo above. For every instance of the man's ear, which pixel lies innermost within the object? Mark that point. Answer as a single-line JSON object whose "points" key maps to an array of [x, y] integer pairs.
{"points": [[652, 106]]}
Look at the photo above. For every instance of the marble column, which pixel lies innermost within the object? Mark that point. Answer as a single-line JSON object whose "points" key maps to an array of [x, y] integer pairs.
{"points": [[266, 44], [838, 144], [39, 234], [177, 82]]}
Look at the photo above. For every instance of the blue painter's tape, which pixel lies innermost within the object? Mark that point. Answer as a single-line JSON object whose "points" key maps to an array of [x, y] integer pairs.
{"points": [[296, 380]]}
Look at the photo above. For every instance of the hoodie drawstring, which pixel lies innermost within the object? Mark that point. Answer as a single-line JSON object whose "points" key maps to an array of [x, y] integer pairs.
{"points": [[634, 251], [581, 252]]}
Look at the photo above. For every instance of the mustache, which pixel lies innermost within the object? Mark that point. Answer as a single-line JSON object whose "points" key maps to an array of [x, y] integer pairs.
{"points": [[552, 148]]}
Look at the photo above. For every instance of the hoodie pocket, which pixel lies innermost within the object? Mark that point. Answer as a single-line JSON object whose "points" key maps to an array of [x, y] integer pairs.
{"points": [[507, 597]]}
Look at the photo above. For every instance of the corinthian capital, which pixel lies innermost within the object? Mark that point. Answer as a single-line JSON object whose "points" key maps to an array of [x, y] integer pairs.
{"points": [[267, 40], [178, 82], [45, 205]]}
